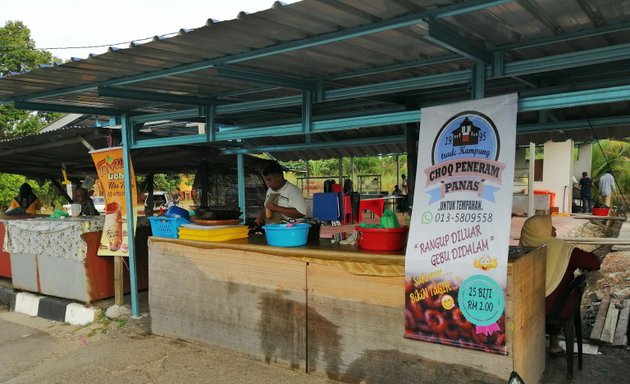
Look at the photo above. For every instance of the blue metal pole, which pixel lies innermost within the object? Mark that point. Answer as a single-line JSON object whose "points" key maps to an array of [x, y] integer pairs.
{"points": [[240, 172], [125, 126]]}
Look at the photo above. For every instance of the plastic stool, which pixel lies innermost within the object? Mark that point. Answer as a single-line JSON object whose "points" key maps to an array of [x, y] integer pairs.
{"points": [[347, 210]]}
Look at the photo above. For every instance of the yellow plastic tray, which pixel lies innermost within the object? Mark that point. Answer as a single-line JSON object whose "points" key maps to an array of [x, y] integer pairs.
{"points": [[216, 234]]}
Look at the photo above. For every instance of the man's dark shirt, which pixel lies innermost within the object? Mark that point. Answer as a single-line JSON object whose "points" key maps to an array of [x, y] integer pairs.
{"points": [[585, 186]]}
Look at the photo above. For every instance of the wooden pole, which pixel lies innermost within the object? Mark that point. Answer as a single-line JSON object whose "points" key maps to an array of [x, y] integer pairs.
{"points": [[118, 280]]}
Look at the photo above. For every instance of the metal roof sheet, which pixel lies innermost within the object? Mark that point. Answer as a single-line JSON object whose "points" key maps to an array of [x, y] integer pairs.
{"points": [[358, 57]]}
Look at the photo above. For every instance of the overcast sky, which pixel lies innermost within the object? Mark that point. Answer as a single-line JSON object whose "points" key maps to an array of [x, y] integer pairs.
{"points": [[74, 23]]}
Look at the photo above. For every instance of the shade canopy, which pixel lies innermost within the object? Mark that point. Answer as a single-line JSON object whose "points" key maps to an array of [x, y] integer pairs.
{"points": [[321, 79]]}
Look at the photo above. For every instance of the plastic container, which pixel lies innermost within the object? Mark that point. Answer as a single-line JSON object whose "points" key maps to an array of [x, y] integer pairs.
{"points": [[162, 226], [601, 211], [175, 211], [382, 239], [286, 235], [75, 210]]}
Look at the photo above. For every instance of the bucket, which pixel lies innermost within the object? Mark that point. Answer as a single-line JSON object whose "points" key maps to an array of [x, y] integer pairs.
{"points": [[286, 235], [601, 211], [382, 239], [75, 210]]}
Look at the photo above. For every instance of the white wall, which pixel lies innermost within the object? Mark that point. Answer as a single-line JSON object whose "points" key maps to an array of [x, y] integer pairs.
{"points": [[557, 172], [584, 161]]}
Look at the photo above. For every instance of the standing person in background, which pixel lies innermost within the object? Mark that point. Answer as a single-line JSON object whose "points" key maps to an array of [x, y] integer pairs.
{"points": [[585, 192], [25, 202], [283, 200], [607, 187], [405, 186], [175, 197]]}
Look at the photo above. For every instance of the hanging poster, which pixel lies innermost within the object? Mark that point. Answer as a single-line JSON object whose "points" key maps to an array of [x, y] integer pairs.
{"points": [[111, 173], [456, 258]]}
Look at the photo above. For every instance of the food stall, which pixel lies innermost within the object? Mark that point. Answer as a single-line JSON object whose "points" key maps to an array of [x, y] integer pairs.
{"points": [[58, 257], [330, 309], [5, 258]]}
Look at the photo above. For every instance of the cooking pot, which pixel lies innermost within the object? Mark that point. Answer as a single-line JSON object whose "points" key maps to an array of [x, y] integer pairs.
{"points": [[207, 213]]}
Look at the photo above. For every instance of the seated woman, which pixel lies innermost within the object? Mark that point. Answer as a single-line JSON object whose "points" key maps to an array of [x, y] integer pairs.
{"points": [[25, 202], [81, 196], [561, 263]]}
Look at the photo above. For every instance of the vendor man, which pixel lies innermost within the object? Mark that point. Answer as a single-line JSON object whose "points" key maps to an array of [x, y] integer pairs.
{"points": [[283, 199]]}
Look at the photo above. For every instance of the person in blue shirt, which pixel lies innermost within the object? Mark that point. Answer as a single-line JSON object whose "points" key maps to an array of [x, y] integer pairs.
{"points": [[607, 187]]}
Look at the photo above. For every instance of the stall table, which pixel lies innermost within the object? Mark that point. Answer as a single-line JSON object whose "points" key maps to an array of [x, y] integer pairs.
{"points": [[5, 258], [329, 309], [59, 258]]}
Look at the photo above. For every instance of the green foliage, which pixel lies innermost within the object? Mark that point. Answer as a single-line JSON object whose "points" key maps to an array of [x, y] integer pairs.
{"points": [[373, 165], [17, 49], [48, 195], [9, 187], [18, 54], [616, 156], [44, 190], [161, 182]]}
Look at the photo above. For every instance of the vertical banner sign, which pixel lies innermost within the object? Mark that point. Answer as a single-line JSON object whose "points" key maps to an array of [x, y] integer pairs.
{"points": [[457, 252], [111, 173]]}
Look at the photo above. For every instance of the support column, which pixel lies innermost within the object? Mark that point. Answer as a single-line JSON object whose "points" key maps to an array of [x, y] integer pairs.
{"points": [[126, 128], [240, 176]]}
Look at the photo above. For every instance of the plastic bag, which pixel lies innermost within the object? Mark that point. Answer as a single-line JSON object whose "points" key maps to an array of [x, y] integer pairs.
{"points": [[58, 214], [389, 219]]}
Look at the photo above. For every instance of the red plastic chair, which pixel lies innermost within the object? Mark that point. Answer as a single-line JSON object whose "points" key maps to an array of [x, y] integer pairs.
{"points": [[374, 205]]}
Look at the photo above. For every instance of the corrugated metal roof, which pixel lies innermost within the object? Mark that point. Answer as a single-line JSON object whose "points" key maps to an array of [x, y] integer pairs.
{"points": [[361, 59]]}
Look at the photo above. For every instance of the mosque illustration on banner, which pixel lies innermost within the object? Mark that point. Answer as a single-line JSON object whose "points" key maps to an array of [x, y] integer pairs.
{"points": [[466, 134]]}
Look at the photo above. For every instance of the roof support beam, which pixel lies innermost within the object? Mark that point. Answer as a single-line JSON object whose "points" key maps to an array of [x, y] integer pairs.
{"points": [[307, 113], [325, 145], [619, 27], [569, 60], [266, 78], [574, 124], [153, 96], [66, 108], [183, 114], [568, 99], [478, 81], [573, 99], [444, 37], [209, 112]]}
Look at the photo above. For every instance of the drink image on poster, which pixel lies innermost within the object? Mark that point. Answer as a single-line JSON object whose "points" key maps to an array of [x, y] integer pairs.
{"points": [[113, 226], [110, 169], [456, 259]]}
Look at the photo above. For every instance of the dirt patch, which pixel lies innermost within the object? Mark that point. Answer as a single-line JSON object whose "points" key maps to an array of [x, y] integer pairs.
{"points": [[612, 280]]}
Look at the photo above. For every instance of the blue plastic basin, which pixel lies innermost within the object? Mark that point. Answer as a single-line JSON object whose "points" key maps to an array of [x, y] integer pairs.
{"points": [[286, 235]]}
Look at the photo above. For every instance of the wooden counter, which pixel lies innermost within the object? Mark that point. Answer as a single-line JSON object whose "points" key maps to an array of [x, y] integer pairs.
{"points": [[302, 308]]}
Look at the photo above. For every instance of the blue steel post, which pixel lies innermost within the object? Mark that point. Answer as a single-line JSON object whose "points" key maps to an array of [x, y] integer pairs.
{"points": [[125, 126], [240, 174]]}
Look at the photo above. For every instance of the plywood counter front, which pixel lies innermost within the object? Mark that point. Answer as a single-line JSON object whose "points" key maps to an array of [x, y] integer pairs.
{"points": [[329, 310]]}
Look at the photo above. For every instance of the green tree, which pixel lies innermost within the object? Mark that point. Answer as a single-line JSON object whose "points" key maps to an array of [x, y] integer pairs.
{"points": [[18, 54], [616, 156], [9, 186]]}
